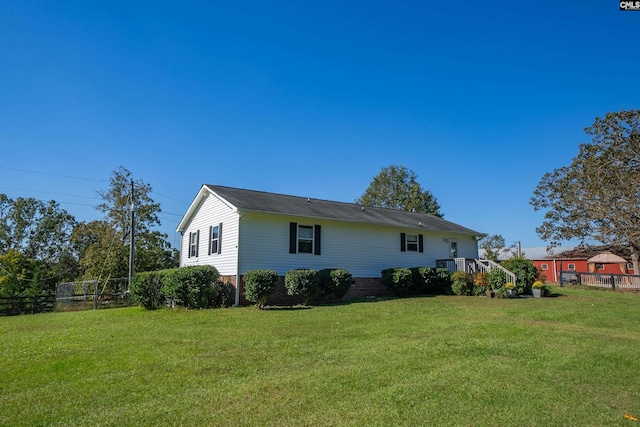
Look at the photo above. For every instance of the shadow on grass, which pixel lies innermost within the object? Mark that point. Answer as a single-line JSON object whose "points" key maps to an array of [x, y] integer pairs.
{"points": [[286, 307]]}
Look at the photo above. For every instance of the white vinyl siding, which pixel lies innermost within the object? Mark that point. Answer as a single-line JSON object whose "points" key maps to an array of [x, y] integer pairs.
{"points": [[213, 212], [362, 249]]}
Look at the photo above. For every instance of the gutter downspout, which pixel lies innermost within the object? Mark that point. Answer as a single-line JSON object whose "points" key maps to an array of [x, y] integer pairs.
{"points": [[555, 271], [237, 303]]}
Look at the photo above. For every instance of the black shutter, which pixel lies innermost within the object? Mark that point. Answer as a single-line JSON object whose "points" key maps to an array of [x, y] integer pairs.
{"points": [[403, 242], [220, 238], [197, 242], [210, 241], [293, 238], [420, 243], [317, 239], [189, 246]]}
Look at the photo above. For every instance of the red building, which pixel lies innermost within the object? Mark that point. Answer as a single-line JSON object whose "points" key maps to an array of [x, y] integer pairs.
{"points": [[573, 258]]}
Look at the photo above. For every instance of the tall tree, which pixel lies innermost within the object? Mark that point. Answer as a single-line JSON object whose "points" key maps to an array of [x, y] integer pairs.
{"points": [[39, 230], [492, 244], [598, 195], [397, 187], [103, 245]]}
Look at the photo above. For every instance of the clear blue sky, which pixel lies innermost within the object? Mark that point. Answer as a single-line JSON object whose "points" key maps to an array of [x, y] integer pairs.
{"points": [[307, 98]]}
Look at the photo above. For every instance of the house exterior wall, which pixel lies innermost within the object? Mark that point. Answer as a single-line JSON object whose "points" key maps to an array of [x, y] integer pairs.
{"points": [[362, 249], [212, 212]]}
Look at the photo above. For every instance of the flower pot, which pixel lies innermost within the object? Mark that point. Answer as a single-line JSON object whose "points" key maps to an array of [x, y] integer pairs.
{"points": [[537, 293], [490, 293], [512, 293]]}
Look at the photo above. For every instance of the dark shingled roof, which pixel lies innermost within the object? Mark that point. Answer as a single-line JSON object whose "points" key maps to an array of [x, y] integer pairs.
{"points": [[259, 201]]}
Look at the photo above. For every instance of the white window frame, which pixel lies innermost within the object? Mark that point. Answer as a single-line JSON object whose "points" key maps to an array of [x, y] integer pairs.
{"points": [[599, 266], [306, 241], [571, 266], [411, 244], [544, 266], [215, 240], [629, 266], [193, 244]]}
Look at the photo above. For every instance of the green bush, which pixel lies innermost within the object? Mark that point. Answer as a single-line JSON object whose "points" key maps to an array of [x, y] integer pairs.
{"points": [[525, 272], [259, 285], [335, 282], [462, 283], [302, 283], [496, 278], [146, 290], [398, 280], [427, 280], [191, 287]]}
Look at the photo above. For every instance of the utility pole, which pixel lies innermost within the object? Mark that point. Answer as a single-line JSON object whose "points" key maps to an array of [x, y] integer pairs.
{"points": [[132, 207], [519, 250]]}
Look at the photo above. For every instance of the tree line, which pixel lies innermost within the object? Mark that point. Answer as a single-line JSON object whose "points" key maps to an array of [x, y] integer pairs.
{"points": [[41, 244]]}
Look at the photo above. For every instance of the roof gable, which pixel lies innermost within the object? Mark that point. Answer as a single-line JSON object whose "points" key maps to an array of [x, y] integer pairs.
{"points": [[259, 201]]}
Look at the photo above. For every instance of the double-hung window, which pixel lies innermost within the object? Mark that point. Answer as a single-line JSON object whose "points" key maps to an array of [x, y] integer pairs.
{"points": [[215, 239], [194, 239], [304, 239], [412, 242]]}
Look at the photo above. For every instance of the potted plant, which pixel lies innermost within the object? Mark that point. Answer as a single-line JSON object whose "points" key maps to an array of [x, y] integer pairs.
{"points": [[537, 288], [512, 292]]}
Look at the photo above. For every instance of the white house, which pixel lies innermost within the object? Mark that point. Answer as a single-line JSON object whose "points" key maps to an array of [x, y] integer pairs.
{"points": [[239, 230]]}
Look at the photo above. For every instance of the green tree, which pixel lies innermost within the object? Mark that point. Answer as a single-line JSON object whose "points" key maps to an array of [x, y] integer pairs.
{"points": [[397, 187], [103, 246], [101, 249], [598, 195], [492, 245], [17, 274], [40, 230]]}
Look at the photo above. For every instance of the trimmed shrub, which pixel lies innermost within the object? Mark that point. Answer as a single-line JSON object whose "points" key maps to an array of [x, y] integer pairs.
{"points": [[462, 283], [191, 287], [525, 272], [427, 280], [146, 290], [259, 285], [302, 283], [441, 281], [398, 280], [335, 282]]}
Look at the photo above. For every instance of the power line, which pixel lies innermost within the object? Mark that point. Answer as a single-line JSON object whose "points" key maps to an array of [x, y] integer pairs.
{"points": [[53, 174], [50, 192], [169, 197]]}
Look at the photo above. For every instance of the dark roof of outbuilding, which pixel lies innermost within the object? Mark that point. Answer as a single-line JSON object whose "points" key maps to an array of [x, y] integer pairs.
{"points": [[258, 201]]}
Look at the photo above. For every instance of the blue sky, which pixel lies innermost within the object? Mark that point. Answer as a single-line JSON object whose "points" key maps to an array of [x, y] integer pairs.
{"points": [[309, 98]]}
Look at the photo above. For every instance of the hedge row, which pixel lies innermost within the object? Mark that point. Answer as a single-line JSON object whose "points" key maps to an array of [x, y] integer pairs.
{"points": [[304, 283], [189, 287], [417, 280]]}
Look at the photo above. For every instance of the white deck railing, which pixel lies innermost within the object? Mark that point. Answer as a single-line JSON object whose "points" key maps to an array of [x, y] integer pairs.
{"points": [[474, 266]]}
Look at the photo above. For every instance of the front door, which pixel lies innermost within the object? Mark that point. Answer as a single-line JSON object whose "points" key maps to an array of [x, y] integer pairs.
{"points": [[454, 249]]}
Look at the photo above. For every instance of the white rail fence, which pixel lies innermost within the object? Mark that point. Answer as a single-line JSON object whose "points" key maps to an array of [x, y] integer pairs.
{"points": [[609, 281]]}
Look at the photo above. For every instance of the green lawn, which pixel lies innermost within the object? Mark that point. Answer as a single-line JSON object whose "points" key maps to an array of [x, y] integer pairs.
{"points": [[569, 360]]}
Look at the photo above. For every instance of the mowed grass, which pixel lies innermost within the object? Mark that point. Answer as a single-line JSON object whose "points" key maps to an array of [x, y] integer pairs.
{"points": [[569, 360]]}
